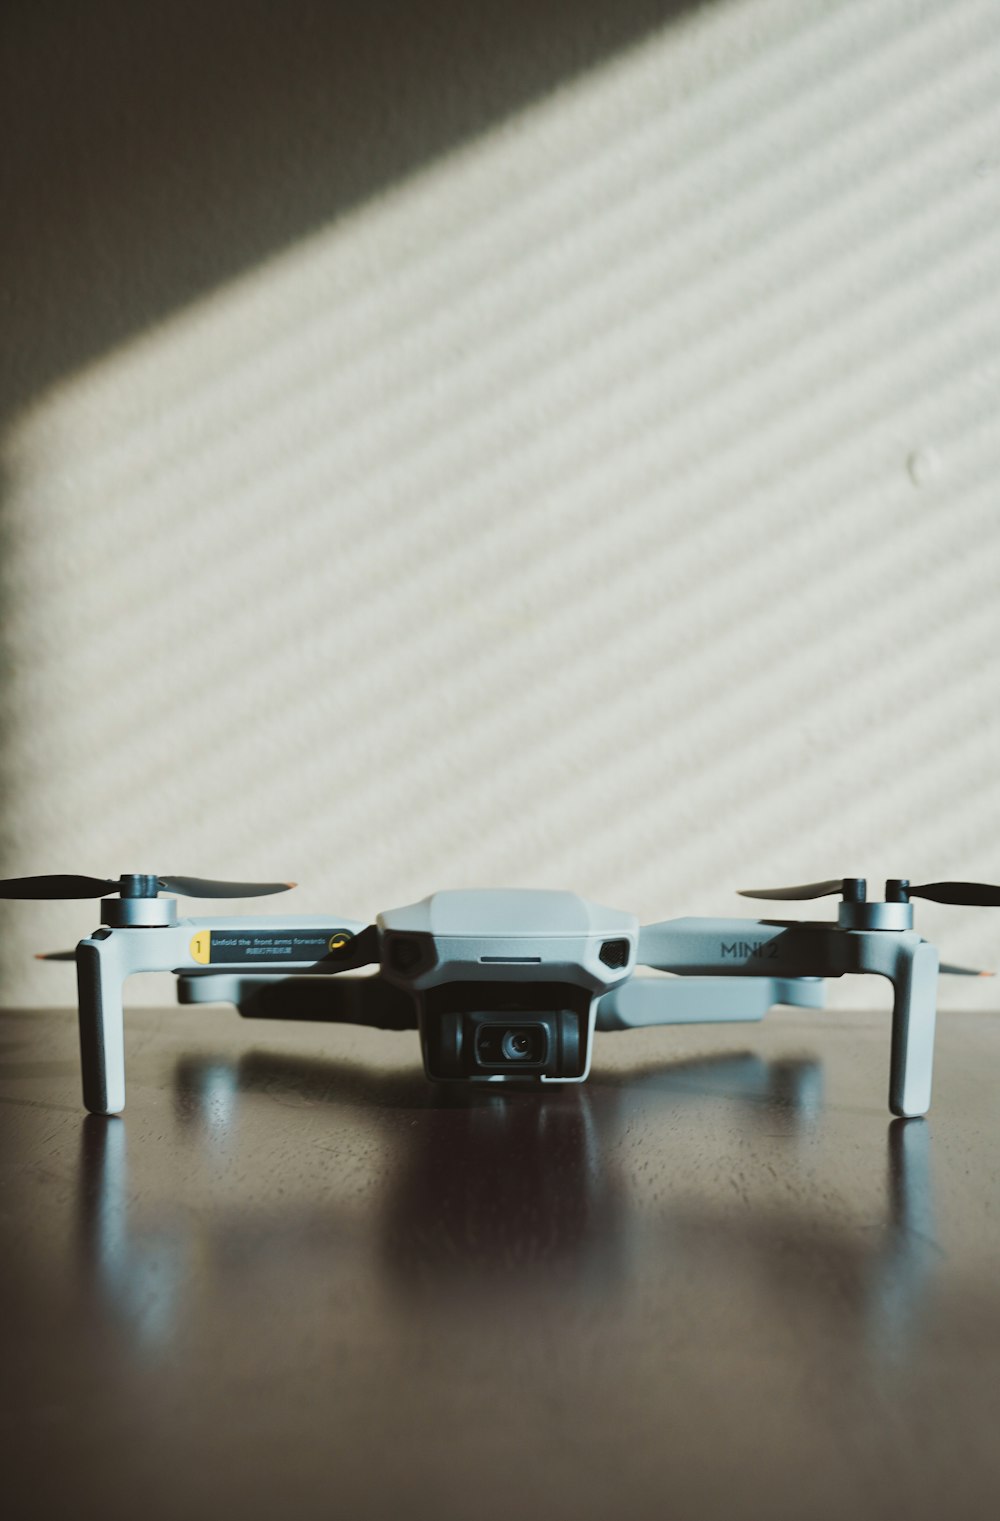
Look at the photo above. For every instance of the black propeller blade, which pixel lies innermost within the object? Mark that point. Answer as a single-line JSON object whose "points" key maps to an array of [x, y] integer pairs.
{"points": [[967, 894], [203, 887], [134, 886], [798, 894], [897, 890], [56, 887]]}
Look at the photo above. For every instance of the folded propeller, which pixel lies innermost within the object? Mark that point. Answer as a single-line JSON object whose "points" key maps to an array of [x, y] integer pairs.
{"points": [[897, 890], [134, 885]]}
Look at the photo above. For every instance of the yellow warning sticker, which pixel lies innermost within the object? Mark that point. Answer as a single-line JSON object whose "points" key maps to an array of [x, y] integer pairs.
{"points": [[233, 947]]}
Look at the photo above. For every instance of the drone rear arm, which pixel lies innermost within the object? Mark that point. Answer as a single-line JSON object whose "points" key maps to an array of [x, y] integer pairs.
{"points": [[377, 1003], [645, 1001], [344, 999]]}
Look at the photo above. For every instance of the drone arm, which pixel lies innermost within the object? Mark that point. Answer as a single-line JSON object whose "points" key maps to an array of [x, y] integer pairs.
{"points": [[103, 962], [748, 947], [911, 965], [913, 1019], [99, 976], [323, 999], [105, 959], [645, 1001], [736, 947]]}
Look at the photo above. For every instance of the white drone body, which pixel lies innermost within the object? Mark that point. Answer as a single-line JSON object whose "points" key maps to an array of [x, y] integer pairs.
{"points": [[499, 964], [507, 984], [504, 985]]}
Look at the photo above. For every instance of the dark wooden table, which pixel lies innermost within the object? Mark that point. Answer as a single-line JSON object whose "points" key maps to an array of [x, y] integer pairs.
{"points": [[296, 1280]]}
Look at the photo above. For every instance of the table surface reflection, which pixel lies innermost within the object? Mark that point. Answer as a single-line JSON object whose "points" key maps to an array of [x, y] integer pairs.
{"points": [[717, 1280]]}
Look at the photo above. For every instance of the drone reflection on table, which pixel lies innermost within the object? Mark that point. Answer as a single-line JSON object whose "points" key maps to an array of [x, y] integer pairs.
{"points": [[484, 1193]]}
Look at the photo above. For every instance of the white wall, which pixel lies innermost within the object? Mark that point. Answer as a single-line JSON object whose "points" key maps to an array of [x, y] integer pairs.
{"points": [[610, 502]]}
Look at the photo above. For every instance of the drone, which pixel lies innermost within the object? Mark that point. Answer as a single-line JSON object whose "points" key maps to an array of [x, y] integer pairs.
{"points": [[503, 985]]}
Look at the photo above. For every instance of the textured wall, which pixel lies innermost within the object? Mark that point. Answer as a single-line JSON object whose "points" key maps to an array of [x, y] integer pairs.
{"points": [[600, 493]]}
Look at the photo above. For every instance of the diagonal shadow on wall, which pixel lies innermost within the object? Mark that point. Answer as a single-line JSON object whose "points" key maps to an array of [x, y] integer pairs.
{"points": [[154, 152]]}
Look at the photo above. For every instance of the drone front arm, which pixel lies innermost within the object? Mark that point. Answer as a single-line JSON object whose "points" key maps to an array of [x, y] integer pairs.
{"points": [[744, 948], [105, 959], [750, 947], [103, 962], [99, 978], [911, 965], [645, 1001]]}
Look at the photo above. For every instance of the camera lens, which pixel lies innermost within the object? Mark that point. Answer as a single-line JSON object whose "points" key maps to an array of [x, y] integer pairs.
{"points": [[520, 1045], [499, 1045]]}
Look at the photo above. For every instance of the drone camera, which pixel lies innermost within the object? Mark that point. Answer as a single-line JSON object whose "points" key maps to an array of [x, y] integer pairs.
{"points": [[505, 1031]]}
